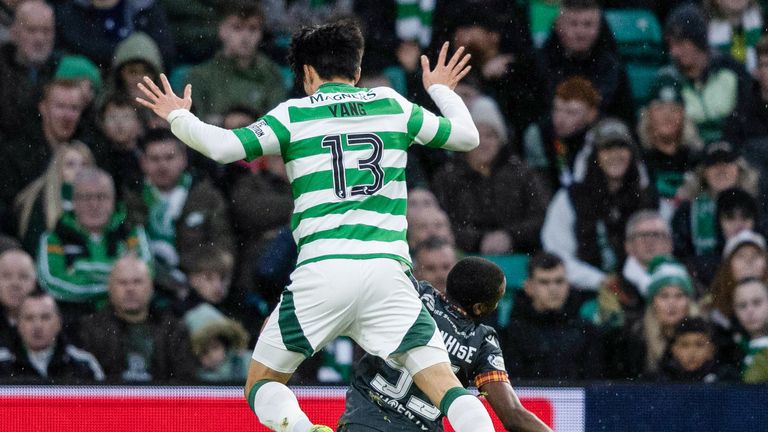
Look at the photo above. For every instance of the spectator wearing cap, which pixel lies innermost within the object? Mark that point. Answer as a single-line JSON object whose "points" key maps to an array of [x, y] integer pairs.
{"points": [[670, 141], [585, 223], [219, 345], [750, 304], [636, 350], [582, 45], [135, 57], [694, 223], [715, 88], [27, 61], [735, 28], [82, 70], [477, 192], [95, 28], [691, 356], [551, 144], [744, 257]]}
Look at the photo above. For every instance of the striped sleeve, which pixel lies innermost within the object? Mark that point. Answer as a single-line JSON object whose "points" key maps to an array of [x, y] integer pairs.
{"points": [[427, 128], [267, 136], [59, 281], [489, 377]]}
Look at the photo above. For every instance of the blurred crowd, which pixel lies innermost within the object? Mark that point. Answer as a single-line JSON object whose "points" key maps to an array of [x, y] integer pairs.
{"points": [[620, 182]]}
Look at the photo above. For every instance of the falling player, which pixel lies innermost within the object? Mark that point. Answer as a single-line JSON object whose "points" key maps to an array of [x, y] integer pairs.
{"points": [[382, 397], [345, 150]]}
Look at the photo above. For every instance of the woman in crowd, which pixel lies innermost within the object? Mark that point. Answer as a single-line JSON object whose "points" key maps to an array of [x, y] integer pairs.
{"points": [[40, 205]]}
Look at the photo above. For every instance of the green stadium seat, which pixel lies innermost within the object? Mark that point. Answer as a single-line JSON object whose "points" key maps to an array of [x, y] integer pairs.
{"points": [[637, 33], [641, 78], [515, 268]]}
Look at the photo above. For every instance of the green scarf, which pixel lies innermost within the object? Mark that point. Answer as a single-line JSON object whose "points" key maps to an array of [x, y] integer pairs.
{"points": [[163, 212], [703, 224]]}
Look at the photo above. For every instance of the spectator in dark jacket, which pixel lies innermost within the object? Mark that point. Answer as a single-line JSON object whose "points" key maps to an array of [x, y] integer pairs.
{"points": [[546, 338], [581, 44], [94, 28], [26, 63], [585, 224], [134, 343], [478, 190], [692, 356], [43, 352], [17, 281]]}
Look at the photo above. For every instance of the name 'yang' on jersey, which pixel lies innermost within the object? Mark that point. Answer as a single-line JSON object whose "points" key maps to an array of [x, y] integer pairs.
{"points": [[345, 152], [383, 396]]}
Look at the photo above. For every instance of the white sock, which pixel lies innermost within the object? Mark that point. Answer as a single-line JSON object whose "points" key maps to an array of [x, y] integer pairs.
{"points": [[277, 408], [467, 414]]}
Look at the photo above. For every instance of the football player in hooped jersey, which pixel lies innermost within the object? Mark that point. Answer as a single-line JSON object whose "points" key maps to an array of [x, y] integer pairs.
{"points": [[382, 397], [345, 151]]}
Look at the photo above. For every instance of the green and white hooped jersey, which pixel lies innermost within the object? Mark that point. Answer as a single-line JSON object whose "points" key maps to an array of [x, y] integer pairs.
{"points": [[345, 150]]}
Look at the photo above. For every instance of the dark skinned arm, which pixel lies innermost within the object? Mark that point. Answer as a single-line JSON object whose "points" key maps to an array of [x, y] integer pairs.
{"points": [[510, 411]]}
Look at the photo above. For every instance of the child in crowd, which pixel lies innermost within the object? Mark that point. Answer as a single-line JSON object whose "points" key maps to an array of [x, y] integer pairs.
{"points": [[219, 345], [750, 304]]}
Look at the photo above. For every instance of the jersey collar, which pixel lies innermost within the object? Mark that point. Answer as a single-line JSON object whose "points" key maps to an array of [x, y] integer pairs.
{"points": [[334, 87]]}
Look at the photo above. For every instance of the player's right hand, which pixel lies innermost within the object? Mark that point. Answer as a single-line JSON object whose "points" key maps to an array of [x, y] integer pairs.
{"points": [[447, 74], [162, 102]]}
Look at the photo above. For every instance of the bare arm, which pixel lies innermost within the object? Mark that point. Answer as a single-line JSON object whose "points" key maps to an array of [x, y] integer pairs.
{"points": [[511, 412]]}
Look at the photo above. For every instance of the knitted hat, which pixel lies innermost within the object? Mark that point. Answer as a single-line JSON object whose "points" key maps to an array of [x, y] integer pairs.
{"points": [[484, 110], [666, 89], [687, 22], [612, 132], [666, 271], [79, 67], [719, 152], [743, 238]]}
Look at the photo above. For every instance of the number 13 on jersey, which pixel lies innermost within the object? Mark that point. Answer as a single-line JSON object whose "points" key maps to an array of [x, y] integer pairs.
{"points": [[356, 141]]}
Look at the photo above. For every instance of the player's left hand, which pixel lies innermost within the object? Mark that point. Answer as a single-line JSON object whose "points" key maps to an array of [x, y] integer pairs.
{"points": [[162, 102]]}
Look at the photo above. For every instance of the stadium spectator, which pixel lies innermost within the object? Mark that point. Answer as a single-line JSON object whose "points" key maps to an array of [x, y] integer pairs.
{"points": [[219, 345], [193, 30], [26, 63], [80, 69], [433, 259], [17, 280], [552, 144], [582, 45], [546, 338], [715, 88], [26, 157], [252, 78], [119, 152], [209, 274], [750, 303], [75, 258], [647, 235], [94, 28], [40, 205], [428, 222], [669, 140], [135, 57], [692, 356], [585, 223], [694, 223], [477, 189], [744, 257], [503, 63], [287, 16], [43, 352], [181, 213], [636, 350], [225, 176], [134, 342], [734, 28], [754, 122]]}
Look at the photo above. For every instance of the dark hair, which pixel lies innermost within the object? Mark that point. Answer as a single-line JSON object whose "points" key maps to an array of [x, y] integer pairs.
{"points": [[736, 200], [693, 325], [474, 280], [431, 243], [334, 50], [543, 261], [120, 100], [240, 8], [157, 135], [580, 4], [38, 294], [762, 47], [242, 109]]}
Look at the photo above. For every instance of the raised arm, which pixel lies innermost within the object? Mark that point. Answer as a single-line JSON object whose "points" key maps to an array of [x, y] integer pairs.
{"points": [[510, 411], [439, 83], [219, 144]]}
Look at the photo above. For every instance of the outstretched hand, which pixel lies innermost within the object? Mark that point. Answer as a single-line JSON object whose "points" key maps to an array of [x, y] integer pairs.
{"points": [[447, 74], [162, 102]]}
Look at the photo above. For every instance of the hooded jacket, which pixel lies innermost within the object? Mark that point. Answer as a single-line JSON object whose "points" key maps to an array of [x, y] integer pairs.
{"points": [[68, 363]]}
